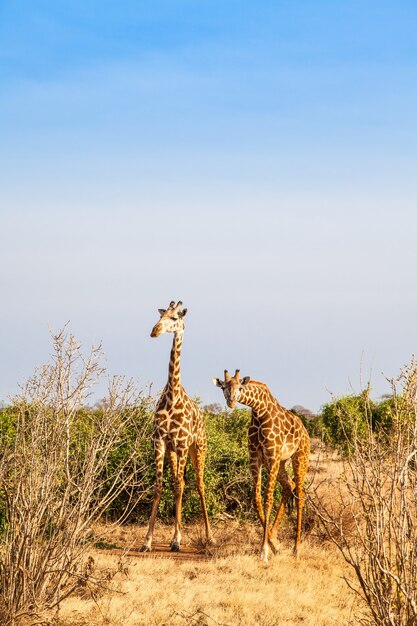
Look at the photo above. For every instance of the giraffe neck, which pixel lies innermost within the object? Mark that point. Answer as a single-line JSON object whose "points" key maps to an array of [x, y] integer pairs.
{"points": [[174, 373], [256, 395]]}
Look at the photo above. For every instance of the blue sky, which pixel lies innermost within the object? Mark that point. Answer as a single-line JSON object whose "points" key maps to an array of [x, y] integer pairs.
{"points": [[256, 160]]}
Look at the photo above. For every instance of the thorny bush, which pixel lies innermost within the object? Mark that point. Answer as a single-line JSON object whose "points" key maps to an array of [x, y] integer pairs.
{"points": [[58, 475], [378, 490]]}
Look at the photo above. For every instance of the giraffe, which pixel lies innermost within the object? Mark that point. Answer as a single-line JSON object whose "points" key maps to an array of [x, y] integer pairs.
{"points": [[275, 435], [178, 430]]}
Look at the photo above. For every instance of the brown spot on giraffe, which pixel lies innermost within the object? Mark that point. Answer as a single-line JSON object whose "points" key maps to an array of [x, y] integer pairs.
{"points": [[178, 430], [275, 435]]}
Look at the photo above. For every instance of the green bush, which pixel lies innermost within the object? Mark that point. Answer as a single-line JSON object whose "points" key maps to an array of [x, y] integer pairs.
{"points": [[8, 418], [227, 479], [344, 417], [227, 473], [353, 417], [141, 421]]}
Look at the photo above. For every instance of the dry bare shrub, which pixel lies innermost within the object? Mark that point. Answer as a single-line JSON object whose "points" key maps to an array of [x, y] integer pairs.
{"points": [[327, 497], [59, 476], [372, 516]]}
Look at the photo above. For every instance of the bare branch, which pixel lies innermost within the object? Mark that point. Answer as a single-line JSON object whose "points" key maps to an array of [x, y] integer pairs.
{"points": [[63, 467]]}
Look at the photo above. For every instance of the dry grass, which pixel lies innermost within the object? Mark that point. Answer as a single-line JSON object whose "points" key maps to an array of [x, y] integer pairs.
{"points": [[234, 588]]}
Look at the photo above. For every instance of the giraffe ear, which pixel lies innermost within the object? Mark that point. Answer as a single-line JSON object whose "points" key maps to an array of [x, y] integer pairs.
{"points": [[161, 312], [245, 380], [183, 313], [218, 382]]}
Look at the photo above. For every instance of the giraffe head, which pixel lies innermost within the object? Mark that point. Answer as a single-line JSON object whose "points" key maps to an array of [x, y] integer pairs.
{"points": [[231, 386], [171, 321]]}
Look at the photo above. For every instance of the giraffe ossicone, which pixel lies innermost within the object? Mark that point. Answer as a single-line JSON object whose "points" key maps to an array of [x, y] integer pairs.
{"points": [[275, 435], [178, 431]]}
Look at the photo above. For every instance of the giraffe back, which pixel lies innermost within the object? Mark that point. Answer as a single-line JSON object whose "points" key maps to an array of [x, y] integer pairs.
{"points": [[274, 431]]}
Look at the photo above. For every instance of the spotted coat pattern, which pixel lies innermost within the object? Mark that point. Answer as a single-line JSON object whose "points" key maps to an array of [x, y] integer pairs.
{"points": [[179, 430], [275, 435]]}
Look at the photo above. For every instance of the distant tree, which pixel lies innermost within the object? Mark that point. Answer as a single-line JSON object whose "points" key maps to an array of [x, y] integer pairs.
{"points": [[311, 421], [214, 408], [299, 409]]}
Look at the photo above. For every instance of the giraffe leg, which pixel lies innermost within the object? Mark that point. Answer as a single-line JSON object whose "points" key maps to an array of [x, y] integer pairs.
{"points": [[287, 491], [179, 483], [198, 459], [256, 470], [173, 463], [173, 466], [159, 462], [269, 496], [300, 465]]}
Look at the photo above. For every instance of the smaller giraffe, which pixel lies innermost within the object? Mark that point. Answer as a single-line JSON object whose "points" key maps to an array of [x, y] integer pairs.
{"points": [[275, 435]]}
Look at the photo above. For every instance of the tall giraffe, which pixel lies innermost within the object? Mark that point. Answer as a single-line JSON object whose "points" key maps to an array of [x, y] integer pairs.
{"points": [[275, 435], [178, 430]]}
